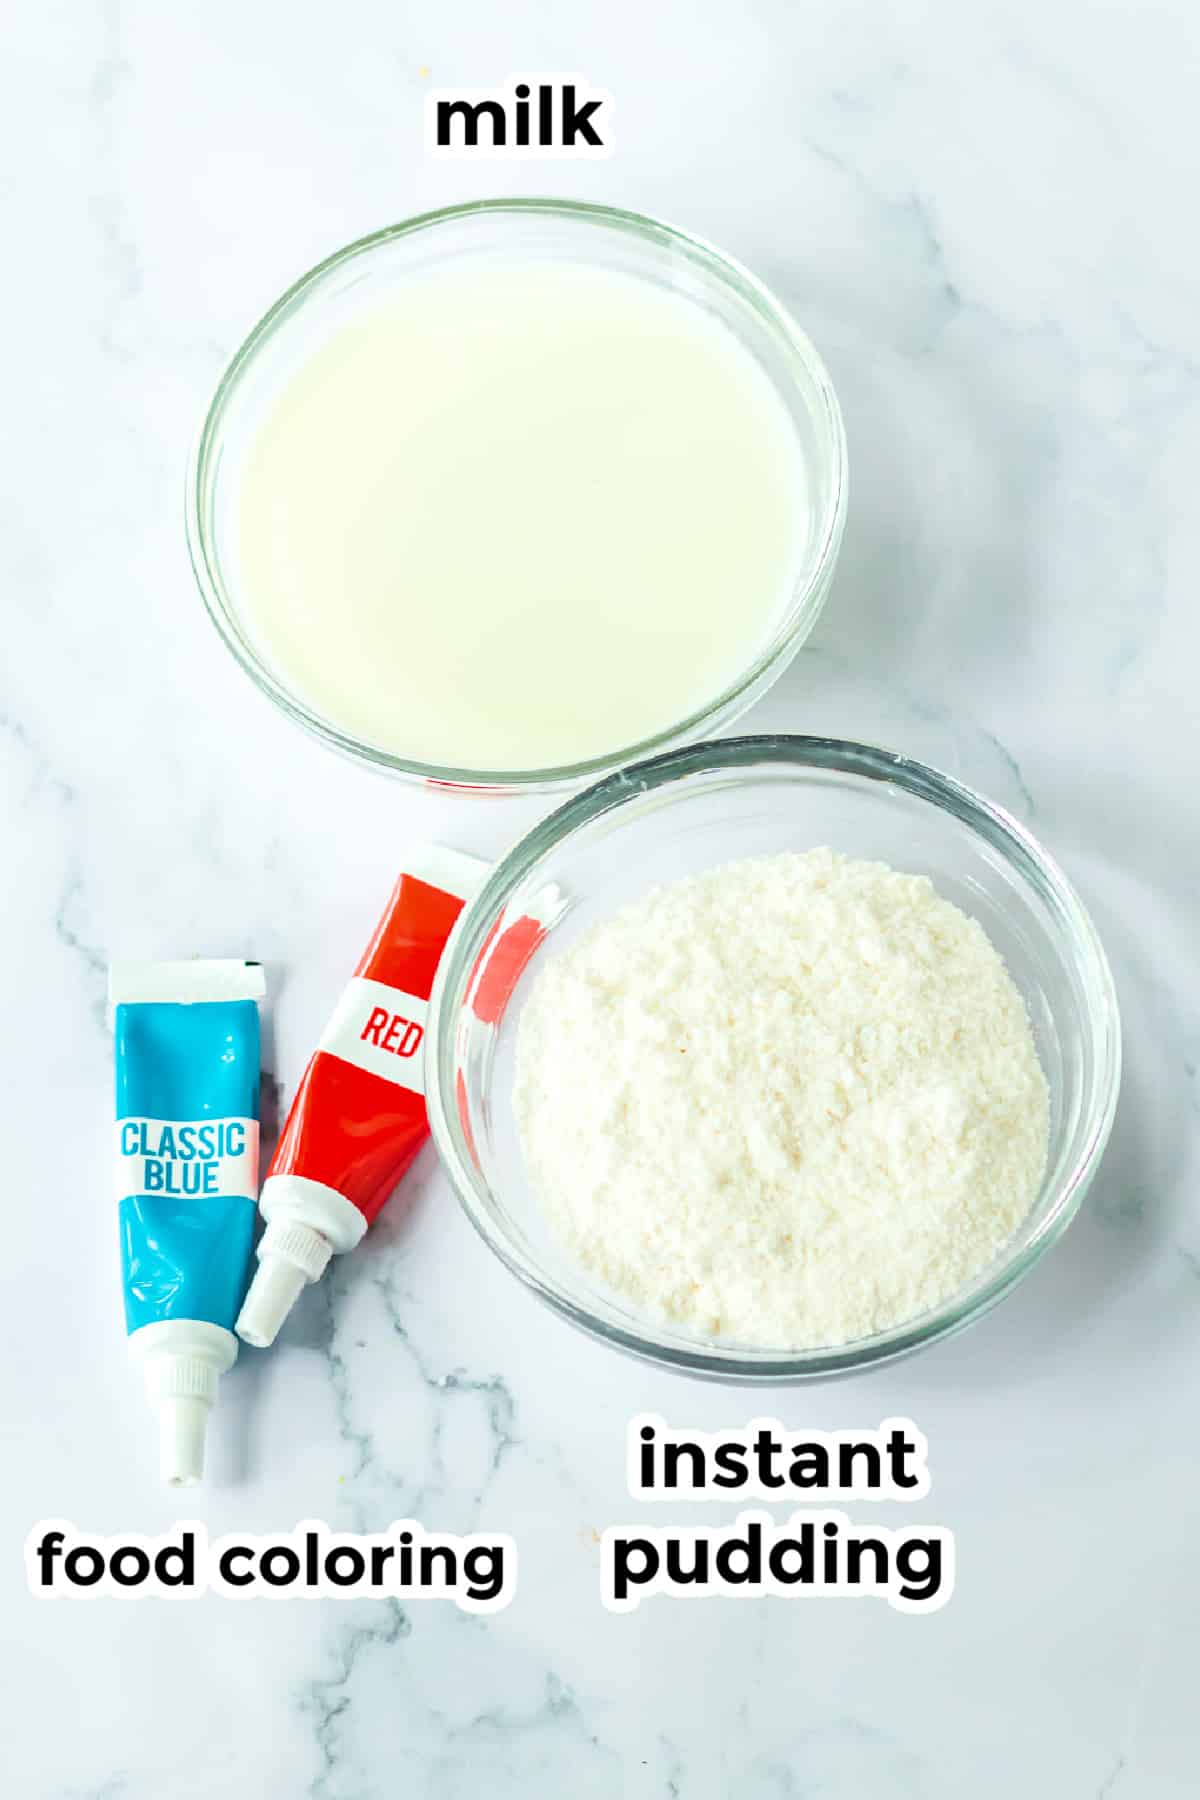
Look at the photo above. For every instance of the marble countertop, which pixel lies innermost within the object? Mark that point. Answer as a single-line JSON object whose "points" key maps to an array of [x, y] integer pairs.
{"points": [[979, 212]]}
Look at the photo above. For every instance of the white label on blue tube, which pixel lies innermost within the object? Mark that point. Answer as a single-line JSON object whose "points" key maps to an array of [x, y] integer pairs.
{"points": [[187, 1158]]}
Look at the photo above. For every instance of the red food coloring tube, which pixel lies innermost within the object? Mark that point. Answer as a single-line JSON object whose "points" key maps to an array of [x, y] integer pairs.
{"points": [[358, 1119]]}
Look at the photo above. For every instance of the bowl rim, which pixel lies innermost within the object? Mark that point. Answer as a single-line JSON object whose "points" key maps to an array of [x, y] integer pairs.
{"points": [[1024, 854], [813, 575]]}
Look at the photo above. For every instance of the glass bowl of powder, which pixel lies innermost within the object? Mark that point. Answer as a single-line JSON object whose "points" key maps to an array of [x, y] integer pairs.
{"points": [[773, 1058]]}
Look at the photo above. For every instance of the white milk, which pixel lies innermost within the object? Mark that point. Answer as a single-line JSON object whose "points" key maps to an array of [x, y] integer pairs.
{"points": [[520, 517]]}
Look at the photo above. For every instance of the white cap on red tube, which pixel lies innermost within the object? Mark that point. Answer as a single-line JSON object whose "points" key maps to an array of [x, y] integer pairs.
{"points": [[183, 1361], [289, 1257], [307, 1223]]}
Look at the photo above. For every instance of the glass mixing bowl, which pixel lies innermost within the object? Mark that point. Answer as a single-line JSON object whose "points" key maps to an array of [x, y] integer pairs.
{"points": [[688, 811], [322, 301]]}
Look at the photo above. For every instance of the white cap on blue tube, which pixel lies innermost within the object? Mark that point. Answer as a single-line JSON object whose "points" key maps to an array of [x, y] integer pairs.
{"points": [[183, 1361]]}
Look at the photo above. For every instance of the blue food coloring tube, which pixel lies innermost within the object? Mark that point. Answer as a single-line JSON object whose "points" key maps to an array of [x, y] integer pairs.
{"points": [[187, 1068]]}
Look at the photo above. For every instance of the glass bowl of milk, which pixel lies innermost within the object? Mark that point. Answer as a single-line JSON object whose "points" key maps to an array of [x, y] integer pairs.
{"points": [[514, 493]]}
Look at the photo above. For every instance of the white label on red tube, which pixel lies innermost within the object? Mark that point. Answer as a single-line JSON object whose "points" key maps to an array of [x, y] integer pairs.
{"points": [[379, 1029], [187, 1159]]}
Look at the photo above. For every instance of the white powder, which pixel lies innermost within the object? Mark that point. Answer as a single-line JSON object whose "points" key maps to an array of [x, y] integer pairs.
{"points": [[791, 1101]]}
